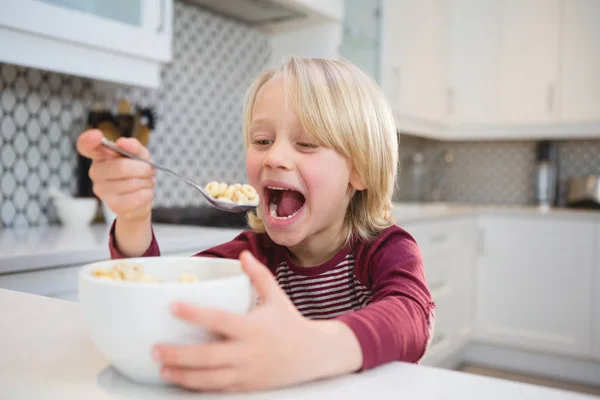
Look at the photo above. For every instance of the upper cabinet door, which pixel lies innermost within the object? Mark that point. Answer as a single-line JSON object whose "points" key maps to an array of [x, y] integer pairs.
{"points": [[140, 28], [473, 90], [528, 60], [414, 61], [580, 75]]}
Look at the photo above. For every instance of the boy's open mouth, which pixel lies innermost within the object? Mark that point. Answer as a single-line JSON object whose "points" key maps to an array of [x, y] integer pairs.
{"points": [[284, 203]]}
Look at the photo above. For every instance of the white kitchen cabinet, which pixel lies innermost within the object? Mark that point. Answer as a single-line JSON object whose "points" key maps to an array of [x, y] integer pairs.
{"points": [[414, 63], [473, 86], [116, 40], [580, 61], [522, 70], [528, 61], [448, 249], [534, 286], [462, 278], [596, 298]]}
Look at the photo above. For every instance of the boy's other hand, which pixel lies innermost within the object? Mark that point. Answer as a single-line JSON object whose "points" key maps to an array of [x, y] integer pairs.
{"points": [[125, 185], [271, 346]]}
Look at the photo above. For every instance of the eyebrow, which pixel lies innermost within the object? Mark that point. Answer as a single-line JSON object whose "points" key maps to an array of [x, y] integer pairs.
{"points": [[261, 121]]}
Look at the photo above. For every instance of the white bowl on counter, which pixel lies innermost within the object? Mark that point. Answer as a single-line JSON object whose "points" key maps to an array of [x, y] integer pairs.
{"points": [[126, 319], [73, 212]]}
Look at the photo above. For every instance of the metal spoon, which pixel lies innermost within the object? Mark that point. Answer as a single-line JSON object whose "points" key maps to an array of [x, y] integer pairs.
{"points": [[220, 204]]}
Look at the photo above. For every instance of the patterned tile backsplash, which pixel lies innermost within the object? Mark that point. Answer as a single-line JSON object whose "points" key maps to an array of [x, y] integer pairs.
{"points": [[198, 107], [198, 130], [490, 172]]}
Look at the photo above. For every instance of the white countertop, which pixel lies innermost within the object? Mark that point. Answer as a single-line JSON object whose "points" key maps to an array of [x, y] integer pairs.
{"points": [[407, 213], [54, 246], [46, 354], [49, 247]]}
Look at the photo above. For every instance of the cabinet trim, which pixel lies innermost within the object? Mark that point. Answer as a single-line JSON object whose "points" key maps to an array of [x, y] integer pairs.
{"points": [[534, 131], [511, 359], [35, 51], [420, 126]]}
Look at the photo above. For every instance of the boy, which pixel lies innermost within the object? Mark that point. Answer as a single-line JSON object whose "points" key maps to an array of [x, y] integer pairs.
{"points": [[341, 287]]}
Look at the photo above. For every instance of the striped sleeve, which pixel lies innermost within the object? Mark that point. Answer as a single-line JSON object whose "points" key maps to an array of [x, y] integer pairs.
{"points": [[397, 324]]}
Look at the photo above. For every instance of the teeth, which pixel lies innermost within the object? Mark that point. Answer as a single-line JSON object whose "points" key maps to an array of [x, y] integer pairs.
{"points": [[277, 188]]}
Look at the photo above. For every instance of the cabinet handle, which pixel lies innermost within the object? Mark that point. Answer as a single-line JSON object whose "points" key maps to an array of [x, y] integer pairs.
{"points": [[550, 97], [438, 238], [161, 21]]}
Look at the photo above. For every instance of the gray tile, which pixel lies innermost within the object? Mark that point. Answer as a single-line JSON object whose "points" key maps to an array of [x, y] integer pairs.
{"points": [[20, 170], [20, 198], [8, 100]]}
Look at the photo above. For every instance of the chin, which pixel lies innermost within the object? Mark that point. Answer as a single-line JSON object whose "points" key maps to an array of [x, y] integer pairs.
{"points": [[287, 239]]}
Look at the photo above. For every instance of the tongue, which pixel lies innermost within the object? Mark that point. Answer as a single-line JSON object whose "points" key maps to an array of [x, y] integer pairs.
{"points": [[289, 202]]}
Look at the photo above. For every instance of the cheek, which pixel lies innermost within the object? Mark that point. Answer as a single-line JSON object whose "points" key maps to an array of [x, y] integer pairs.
{"points": [[253, 167], [327, 177]]}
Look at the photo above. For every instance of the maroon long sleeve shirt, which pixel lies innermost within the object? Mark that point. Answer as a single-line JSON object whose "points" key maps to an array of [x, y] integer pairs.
{"points": [[377, 289]]}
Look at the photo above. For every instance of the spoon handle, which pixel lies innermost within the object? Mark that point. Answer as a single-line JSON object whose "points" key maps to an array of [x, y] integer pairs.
{"points": [[116, 148]]}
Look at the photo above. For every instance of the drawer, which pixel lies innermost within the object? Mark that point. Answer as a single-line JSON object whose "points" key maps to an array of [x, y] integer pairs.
{"points": [[438, 271], [445, 245], [435, 238], [50, 282]]}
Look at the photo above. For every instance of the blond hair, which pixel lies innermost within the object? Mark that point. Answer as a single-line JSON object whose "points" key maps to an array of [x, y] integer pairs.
{"points": [[343, 109]]}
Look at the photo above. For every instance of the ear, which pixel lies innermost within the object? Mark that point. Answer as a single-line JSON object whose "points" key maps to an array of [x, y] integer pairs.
{"points": [[355, 180]]}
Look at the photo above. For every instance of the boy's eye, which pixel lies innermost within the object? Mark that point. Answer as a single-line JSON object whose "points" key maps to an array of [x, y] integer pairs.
{"points": [[308, 145], [262, 142]]}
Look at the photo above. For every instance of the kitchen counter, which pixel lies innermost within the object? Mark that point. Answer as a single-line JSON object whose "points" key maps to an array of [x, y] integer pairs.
{"points": [[39, 248], [47, 353], [415, 212], [54, 246]]}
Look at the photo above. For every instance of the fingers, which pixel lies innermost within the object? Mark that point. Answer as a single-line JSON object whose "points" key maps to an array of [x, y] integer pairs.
{"points": [[134, 146], [260, 276], [121, 168], [222, 379], [90, 146], [210, 355], [216, 321]]}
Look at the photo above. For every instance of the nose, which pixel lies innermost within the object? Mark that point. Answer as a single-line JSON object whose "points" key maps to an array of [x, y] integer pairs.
{"points": [[279, 156]]}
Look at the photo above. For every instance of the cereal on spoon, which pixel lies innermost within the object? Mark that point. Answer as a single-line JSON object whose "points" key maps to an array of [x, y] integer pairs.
{"points": [[236, 193]]}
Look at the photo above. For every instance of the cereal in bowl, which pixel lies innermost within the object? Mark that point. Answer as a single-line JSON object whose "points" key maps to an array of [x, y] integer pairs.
{"points": [[236, 193], [135, 273]]}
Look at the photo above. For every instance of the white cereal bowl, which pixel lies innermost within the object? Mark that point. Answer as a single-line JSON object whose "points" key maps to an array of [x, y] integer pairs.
{"points": [[126, 319]]}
